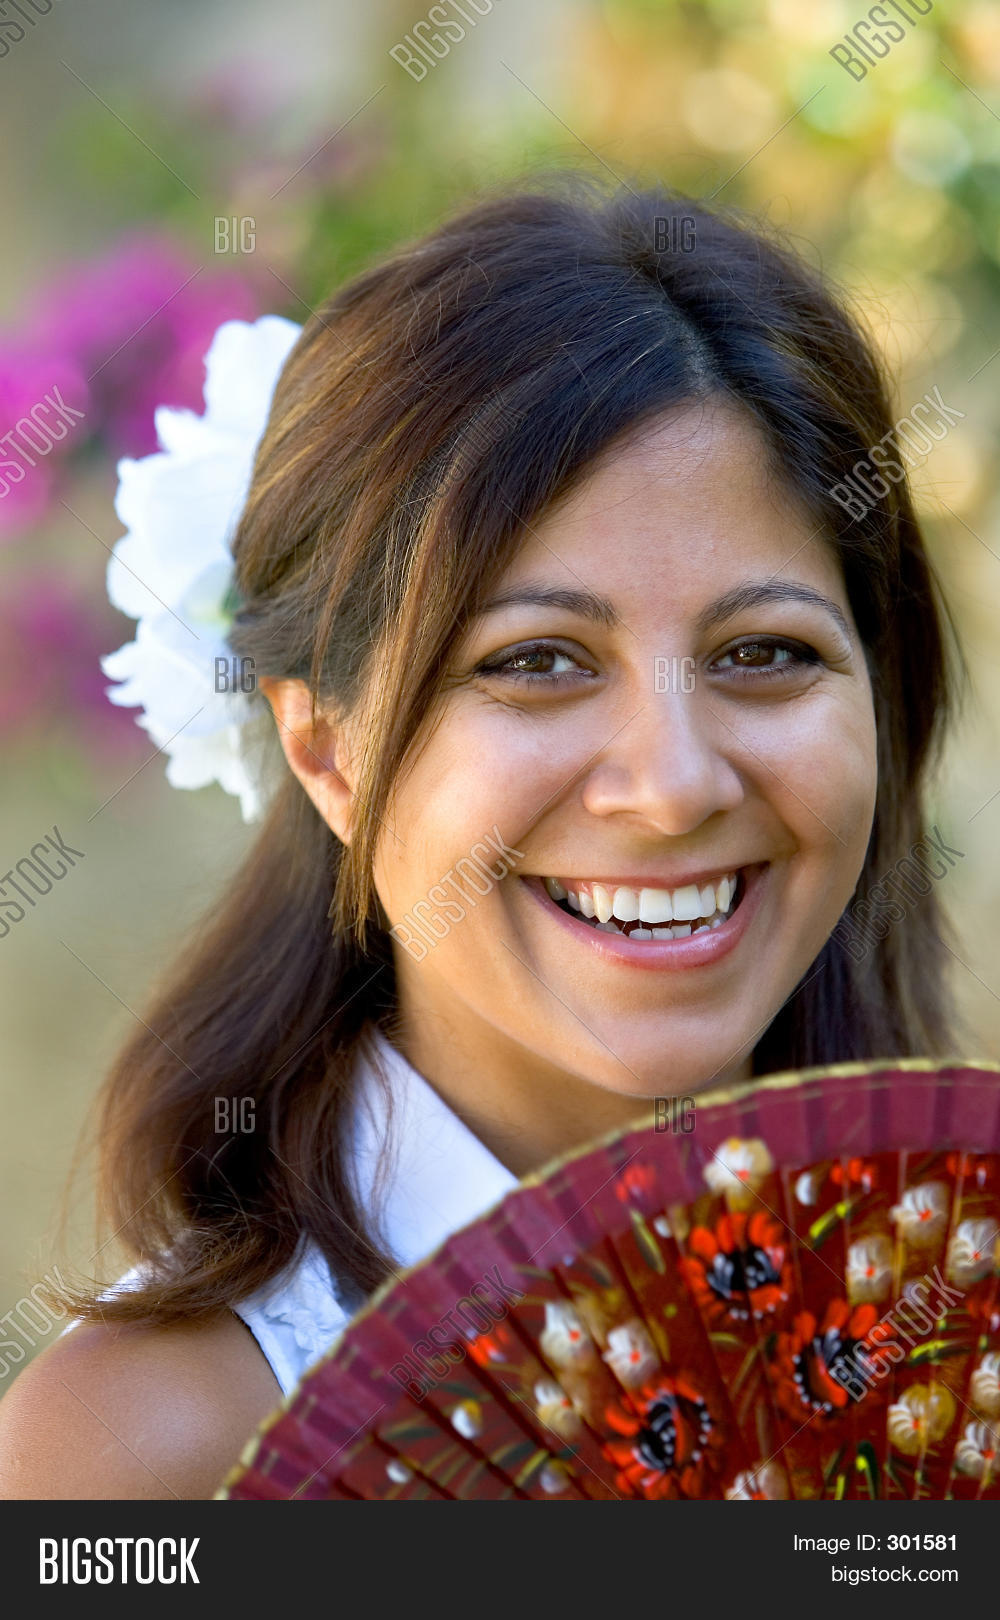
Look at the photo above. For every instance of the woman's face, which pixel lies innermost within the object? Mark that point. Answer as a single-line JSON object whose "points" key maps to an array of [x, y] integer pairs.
{"points": [[667, 690]]}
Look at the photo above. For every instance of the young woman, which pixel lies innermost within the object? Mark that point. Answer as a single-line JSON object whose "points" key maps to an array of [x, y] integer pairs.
{"points": [[545, 578]]}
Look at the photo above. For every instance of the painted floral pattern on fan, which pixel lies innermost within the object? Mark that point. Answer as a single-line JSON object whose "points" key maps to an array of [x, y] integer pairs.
{"points": [[799, 1299]]}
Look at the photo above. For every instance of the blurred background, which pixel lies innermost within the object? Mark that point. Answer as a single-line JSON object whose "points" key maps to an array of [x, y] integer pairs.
{"points": [[173, 166]]}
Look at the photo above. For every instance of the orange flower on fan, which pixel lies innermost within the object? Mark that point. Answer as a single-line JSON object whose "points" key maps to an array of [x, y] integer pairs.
{"points": [[496, 1345], [974, 1167], [983, 1306], [638, 1181], [738, 1267], [668, 1439], [822, 1367], [861, 1173]]}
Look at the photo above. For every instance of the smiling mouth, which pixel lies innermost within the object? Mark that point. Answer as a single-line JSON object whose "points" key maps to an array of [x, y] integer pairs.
{"points": [[651, 914]]}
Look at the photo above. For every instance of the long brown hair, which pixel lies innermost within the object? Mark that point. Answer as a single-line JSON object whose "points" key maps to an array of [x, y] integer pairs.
{"points": [[428, 410]]}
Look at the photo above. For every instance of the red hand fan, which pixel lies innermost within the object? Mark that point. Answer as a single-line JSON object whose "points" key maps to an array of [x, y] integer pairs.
{"points": [[800, 1298]]}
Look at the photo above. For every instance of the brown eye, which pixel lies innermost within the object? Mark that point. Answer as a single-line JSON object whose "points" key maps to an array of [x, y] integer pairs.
{"points": [[543, 663], [754, 653], [535, 661], [766, 657]]}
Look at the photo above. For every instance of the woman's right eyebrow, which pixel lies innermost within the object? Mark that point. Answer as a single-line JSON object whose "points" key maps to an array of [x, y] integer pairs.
{"points": [[585, 603]]}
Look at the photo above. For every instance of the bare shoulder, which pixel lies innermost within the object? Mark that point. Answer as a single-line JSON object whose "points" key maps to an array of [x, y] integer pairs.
{"points": [[111, 1413]]}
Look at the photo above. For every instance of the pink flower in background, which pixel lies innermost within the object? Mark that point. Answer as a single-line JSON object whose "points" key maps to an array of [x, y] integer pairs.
{"points": [[106, 343], [52, 386], [51, 637], [138, 323]]}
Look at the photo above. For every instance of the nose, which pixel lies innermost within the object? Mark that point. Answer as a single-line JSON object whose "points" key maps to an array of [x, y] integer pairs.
{"points": [[670, 766]]}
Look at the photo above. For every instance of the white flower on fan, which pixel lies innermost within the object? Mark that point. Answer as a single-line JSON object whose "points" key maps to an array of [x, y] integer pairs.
{"points": [[631, 1354], [976, 1452], [172, 570], [984, 1385], [972, 1251], [807, 1186], [738, 1168], [869, 1269], [555, 1409], [673, 1224], [764, 1484], [554, 1477], [920, 1418], [467, 1419], [564, 1340], [922, 1214]]}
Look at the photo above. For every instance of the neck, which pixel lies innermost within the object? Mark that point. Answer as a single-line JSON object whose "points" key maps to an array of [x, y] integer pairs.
{"points": [[525, 1110]]}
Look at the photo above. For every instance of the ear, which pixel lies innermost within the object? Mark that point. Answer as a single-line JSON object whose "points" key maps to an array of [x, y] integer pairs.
{"points": [[318, 754]]}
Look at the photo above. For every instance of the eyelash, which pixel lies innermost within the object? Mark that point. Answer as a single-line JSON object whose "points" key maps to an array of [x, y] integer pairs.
{"points": [[801, 655]]}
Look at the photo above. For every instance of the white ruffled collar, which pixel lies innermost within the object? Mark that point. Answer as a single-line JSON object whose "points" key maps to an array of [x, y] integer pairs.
{"points": [[437, 1178]]}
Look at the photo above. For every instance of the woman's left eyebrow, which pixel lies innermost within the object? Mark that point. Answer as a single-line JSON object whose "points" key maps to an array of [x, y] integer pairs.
{"points": [[585, 603], [759, 593]]}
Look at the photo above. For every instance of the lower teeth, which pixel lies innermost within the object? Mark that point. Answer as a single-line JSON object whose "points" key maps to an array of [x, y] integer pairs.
{"points": [[660, 931]]}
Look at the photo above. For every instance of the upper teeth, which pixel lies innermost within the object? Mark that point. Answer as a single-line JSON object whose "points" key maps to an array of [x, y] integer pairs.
{"points": [[646, 905]]}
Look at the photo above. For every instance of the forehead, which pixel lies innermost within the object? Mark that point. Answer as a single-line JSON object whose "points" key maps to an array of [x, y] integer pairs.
{"points": [[672, 511]]}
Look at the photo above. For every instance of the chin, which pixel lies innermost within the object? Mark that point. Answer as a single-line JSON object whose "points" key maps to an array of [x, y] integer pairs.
{"points": [[643, 1073]]}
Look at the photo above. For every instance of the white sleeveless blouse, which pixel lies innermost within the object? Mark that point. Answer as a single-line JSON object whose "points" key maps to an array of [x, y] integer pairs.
{"points": [[439, 1176]]}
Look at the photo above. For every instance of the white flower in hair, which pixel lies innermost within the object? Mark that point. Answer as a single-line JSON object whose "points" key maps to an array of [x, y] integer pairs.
{"points": [[173, 569]]}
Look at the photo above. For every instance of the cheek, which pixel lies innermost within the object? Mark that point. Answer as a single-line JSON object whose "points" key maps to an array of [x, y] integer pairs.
{"points": [[822, 764], [463, 791]]}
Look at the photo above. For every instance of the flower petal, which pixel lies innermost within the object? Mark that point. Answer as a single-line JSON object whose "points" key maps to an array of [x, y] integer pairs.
{"points": [[172, 569]]}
